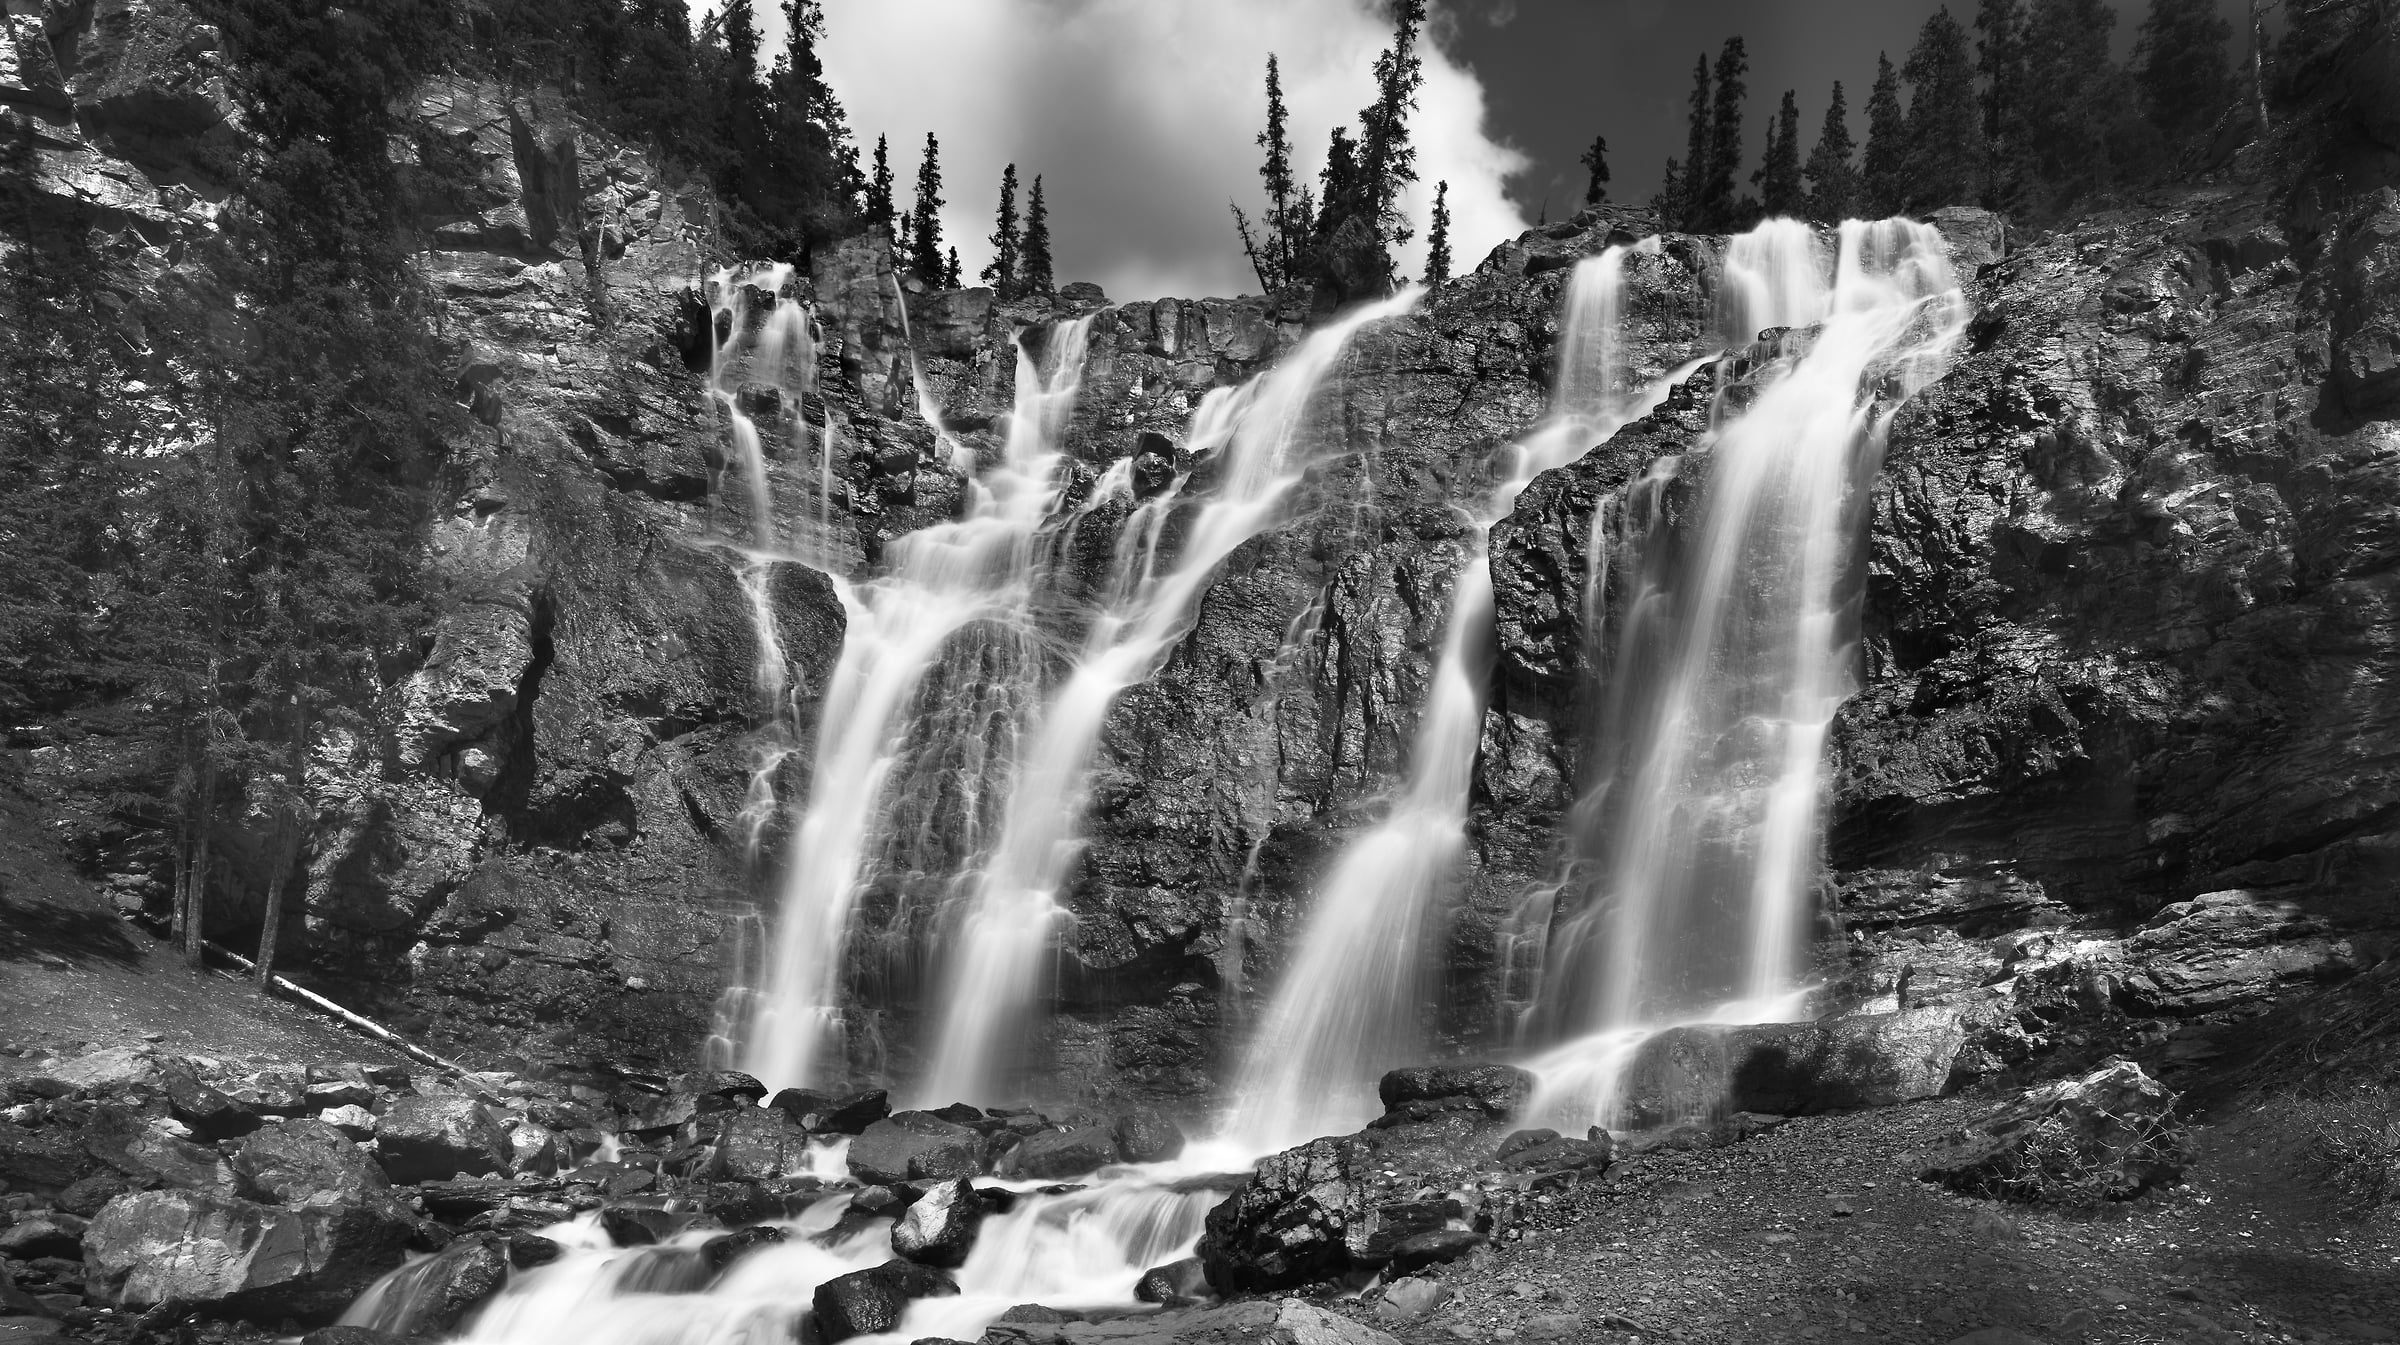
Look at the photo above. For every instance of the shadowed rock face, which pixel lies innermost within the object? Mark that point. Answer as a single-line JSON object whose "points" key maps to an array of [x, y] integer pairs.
{"points": [[2127, 600]]}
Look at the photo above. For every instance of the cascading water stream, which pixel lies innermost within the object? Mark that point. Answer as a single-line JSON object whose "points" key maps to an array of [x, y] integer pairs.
{"points": [[1348, 1005], [1701, 826], [942, 579], [1256, 436]]}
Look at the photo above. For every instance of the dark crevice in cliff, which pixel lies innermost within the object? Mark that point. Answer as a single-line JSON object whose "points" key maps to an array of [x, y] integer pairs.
{"points": [[513, 787]]}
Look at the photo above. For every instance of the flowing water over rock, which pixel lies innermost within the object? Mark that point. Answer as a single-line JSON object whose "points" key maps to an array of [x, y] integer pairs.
{"points": [[1734, 646], [1349, 1005]]}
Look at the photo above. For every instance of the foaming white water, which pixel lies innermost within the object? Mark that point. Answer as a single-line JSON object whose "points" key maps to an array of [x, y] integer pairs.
{"points": [[941, 579], [1081, 1249], [1736, 647], [1257, 438], [1349, 1004]]}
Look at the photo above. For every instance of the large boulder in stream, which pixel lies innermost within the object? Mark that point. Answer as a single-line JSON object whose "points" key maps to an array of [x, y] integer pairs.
{"points": [[938, 1228], [915, 1146], [432, 1298], [864, 1302], [1833, 1064]]}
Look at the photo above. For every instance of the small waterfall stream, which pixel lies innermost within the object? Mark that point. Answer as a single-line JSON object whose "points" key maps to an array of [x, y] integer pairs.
{"points": [[1700, 829], [941, 579], [1257, 436], [1348, 1006]]}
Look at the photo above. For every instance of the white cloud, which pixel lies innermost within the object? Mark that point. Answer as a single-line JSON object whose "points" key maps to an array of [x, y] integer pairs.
{"points": [[1140, 116]]}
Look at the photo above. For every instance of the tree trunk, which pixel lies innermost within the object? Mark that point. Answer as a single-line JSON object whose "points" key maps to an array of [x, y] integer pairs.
{"points": [[2258, 60], [296, 826], [193, 934], [182, 890]]}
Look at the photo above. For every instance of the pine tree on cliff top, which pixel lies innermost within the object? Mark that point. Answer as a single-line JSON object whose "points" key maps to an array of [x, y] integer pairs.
{"points": [[1714, 198], [2186, 82], [2000, 65], [1387, 161], [1002, 272], [1832, 179], [1595, 162], [880, 209], [1778, 176], [1684, 197], [924, 219], [1033, 262], [1287, 222], [1437, 239], [1883, 170], [951, 279], [1945, 118]]}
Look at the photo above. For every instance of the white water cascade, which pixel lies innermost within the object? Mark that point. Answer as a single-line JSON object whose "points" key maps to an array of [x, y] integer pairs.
{"points": [[1734, 647], [1257, 436], [940, 580], [1348, 1005]]}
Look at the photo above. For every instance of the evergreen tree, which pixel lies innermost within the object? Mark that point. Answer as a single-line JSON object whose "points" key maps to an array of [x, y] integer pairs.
{"points": [[2186, 83], [1595, 160], [1883, 169], [814, 183], [2000, 63], [1387, 160], [880, 208], [1341, 194], [951, 279], [1002, 271], [2082, 126], [1778, 175], [1033, 262], [1668, 204], [924, 219], [1288, 223], [1945, 118], [1437, 239], [1714, 202], [1832, 178], [1684, 198]]}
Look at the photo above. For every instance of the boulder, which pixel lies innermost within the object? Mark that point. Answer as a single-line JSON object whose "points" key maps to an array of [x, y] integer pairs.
{"points": [[1680, 1074], [430, 1138], [205, 1248], [1148, 1136], [1840, 1064], [867, 1301], [51, 1234], [1284, 1321], [1289, 1224], [355, 1121], [111, 1071], [432, 1298], [759, 1143], [1055, 1155], [44, 1158], [209, 1114], [939, 1229], [2109, 1135], [832, 1113], [1495, 1091], [724, 1251], [1174, 1284], [128, 1142], [1411, 1297], [291, 1161], [88, 1194], [915, 1146]]}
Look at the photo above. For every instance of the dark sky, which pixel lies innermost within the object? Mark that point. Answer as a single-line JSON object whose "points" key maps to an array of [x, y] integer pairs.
{"points": [[1557, 72]]}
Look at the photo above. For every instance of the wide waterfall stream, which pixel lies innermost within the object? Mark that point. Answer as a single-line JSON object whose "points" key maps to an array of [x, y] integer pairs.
{"points": [[1684, 885]]}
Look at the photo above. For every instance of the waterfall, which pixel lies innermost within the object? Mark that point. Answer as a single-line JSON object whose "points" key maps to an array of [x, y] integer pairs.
{"points": [[1700, 831], [1260, 450], [1348, 1004], [941, 579]]}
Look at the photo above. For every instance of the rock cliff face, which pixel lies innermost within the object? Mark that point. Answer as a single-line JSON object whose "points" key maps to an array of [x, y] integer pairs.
{"points": [[2128, 619]]}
